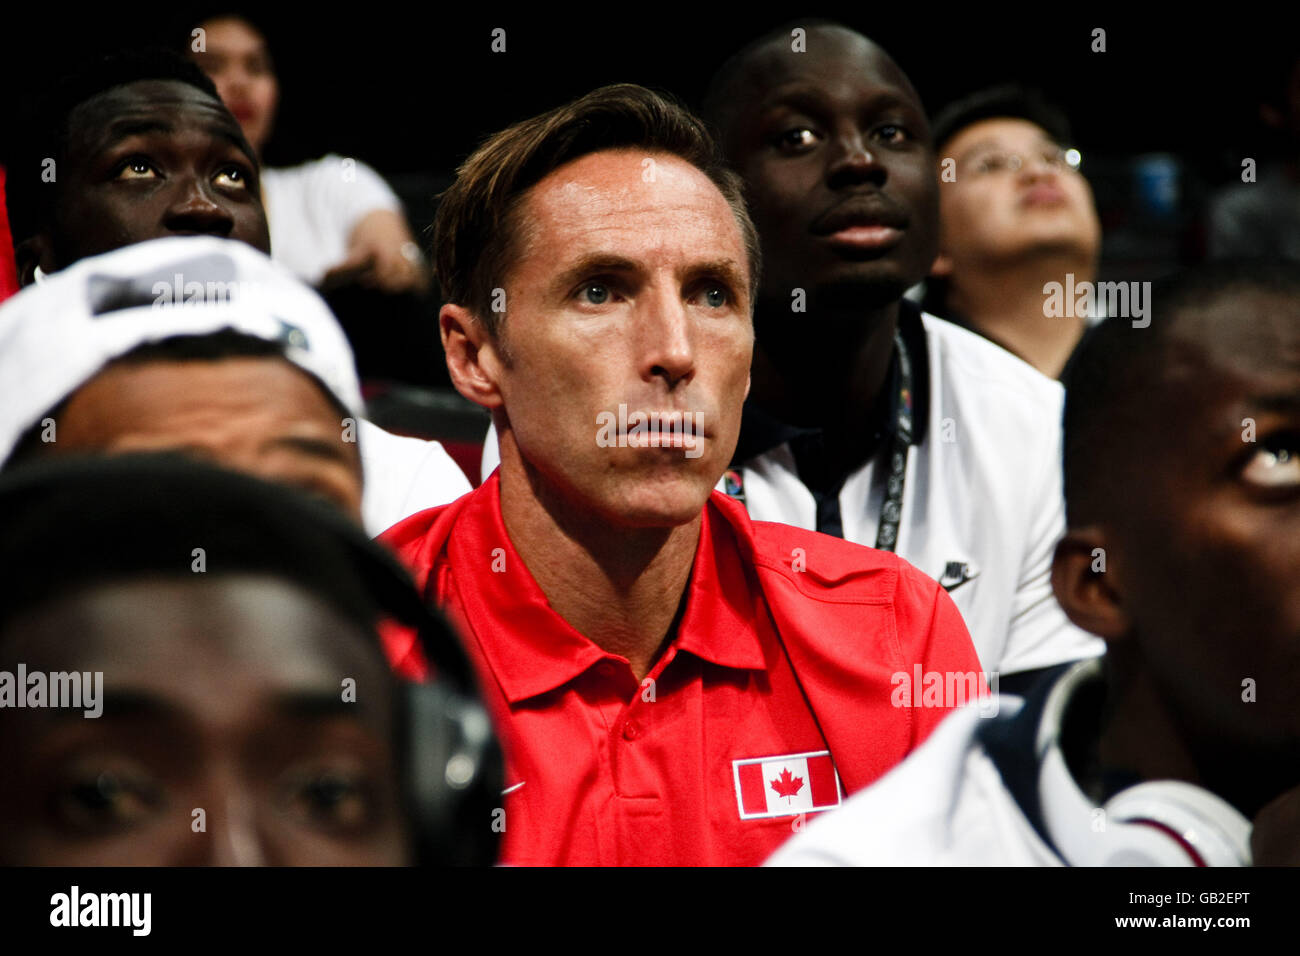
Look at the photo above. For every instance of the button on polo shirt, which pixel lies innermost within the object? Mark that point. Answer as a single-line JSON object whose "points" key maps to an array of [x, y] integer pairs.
{"points": [[602, 768]]}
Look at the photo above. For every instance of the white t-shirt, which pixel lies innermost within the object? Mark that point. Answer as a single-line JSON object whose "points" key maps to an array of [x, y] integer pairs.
{"points": [[950, 803], [983, 503], [313, 208], [403, 476]]}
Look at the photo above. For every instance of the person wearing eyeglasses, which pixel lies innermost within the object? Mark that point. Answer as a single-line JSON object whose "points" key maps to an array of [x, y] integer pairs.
{"points": [[1015, 214]]}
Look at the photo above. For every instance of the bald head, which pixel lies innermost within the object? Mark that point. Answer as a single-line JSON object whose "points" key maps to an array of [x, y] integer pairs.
{"points": [[832, 142], [780, 55]]}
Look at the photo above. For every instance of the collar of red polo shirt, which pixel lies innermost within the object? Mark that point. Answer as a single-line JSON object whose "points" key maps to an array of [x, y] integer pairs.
{"points": [[848, 617]]}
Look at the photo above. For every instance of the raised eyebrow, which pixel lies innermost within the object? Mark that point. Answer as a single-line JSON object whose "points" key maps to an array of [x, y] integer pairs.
{"points": [[592, 265], [238, 141], [322, 448], [144, 126], [122, 704], [320, 705], [978, 145], [807, 99], [121, 129], [812, 100], [1288, 404], [725, 270]]}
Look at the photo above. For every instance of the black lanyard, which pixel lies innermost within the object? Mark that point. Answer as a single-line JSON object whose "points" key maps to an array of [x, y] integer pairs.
{"points": [[892, 510], [828, 505]]}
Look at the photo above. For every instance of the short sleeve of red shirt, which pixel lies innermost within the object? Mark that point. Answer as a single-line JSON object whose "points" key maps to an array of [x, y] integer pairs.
{"points": [[940, 642]]}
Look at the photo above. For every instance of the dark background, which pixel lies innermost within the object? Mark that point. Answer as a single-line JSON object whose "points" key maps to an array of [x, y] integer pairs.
{"points": [[411, 90]]}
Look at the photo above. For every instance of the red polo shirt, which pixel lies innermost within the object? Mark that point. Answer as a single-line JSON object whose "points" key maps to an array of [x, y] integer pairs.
{"points": [[719, 755]]}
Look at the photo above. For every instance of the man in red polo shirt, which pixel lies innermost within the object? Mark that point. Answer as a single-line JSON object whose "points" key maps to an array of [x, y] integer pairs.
{"points": [[674, 683]]}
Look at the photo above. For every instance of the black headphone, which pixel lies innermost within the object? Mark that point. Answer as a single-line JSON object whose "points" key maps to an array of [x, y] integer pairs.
{"points": [[1155, 823], [452, 765]]}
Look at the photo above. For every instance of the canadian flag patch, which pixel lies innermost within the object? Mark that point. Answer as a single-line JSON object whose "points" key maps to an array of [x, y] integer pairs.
{"points": [[786, 786]]}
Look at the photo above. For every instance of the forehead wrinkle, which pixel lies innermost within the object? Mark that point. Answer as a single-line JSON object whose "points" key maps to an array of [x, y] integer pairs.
{"points": [[1240, 333], [217, 122], [591, 209], [1200, 389]]}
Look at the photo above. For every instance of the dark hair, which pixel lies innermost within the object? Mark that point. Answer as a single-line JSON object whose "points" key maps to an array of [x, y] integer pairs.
{"points": [[1111, 378], [43, 133], [1001, 102], [213, 347], [476, 230], [142, 514], [997, 102]]}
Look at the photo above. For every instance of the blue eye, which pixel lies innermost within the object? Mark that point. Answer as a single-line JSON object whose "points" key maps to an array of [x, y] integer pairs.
{"points": [[596, 293], [716, 298]]}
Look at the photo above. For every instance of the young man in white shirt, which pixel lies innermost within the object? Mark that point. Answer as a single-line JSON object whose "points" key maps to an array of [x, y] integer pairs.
{"points": [[867, 419], [1182, 746], [1015, 214]]}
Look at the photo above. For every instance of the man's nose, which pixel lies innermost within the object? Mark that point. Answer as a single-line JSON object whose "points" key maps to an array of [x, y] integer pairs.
{"points": [[193, 209], [1036, 167], [236, 81], [234, 835], [665, 338], [852, 161]]}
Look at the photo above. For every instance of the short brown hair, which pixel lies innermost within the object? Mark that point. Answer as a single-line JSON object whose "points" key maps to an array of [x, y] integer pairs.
{"points": [[476, 229]]}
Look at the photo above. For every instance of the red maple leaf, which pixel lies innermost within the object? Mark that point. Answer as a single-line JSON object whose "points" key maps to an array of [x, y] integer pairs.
{"points": [[786, 785]]}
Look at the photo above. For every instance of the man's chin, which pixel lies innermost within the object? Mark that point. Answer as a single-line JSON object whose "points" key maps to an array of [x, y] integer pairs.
{"points": [[662, 503], [852, 286]]}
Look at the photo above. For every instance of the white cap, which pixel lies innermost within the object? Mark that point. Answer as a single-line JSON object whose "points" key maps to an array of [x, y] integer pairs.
{"points": [[56, 336]]}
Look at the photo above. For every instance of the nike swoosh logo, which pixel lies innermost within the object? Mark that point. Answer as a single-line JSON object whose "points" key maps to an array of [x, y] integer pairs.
{"points": [[956, 574]]}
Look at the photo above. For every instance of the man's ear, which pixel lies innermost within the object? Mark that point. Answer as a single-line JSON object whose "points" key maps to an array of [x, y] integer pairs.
{"points": [[1086, 586], [473, 356], [30, 253]]}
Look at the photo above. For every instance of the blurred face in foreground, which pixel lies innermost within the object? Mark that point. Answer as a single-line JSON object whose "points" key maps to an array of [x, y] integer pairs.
{"points": [[1201, 587], [262, 416], [224, 737], [1210, 545]]}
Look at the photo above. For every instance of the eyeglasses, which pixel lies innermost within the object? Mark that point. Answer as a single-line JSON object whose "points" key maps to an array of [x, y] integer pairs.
{"points": [[996, 162]]}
